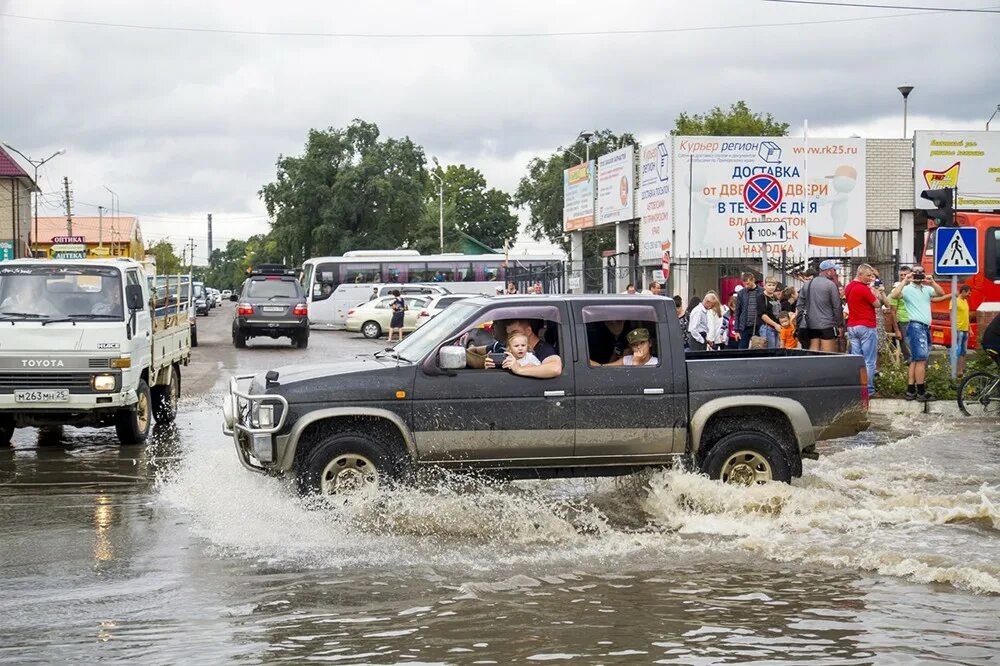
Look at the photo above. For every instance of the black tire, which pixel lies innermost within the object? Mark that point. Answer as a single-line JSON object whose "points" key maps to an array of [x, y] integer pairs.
{"points": [[132, 425], [239, 340], [722, 463], [194, 337], [970, 394], [165, 398], [371, 330], [6, 431], [301, 340], [391, 465]]}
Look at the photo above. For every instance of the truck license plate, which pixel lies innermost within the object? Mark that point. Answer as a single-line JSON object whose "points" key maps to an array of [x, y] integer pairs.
{"points": [[42, 395], [273, 308]]}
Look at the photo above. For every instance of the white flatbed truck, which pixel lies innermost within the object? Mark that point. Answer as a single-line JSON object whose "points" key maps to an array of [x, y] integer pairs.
{"points": [[90, 343]]}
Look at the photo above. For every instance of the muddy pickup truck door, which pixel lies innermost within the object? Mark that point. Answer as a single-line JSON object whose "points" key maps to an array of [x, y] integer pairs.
{"points": [[626, 410], [493, 415]]}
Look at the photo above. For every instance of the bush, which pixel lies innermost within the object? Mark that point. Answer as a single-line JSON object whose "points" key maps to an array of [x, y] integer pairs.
{"points": [[891, 381]]}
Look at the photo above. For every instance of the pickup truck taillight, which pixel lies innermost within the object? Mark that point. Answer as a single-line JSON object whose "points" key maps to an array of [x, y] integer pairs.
{"points": [[300, 310], [244, 309]]}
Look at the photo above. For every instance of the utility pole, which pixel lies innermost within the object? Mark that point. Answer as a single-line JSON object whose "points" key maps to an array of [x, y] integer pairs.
{"points": [[69, 209], [100, 226], [209, 238], [193, 246]]}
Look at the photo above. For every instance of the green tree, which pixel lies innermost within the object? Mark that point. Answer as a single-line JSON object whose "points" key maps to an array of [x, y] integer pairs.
{"points": [[739, 120], [349, 190], [542, 188], [167, 261], [470, 207]]}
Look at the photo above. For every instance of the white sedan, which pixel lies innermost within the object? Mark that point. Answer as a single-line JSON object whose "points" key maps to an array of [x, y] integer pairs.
{"points": [[437, 305], [372, 318]]}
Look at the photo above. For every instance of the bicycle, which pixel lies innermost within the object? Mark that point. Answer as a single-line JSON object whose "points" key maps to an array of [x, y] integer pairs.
{"points": [[979, 394]]}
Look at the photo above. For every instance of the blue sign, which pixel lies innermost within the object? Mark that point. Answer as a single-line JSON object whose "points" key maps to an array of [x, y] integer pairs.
{"points": [[762, 193], [6, 250], [956, 251]]}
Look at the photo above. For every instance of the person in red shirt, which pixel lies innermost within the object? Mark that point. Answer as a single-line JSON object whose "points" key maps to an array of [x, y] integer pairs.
{"points": [[862, 299]]}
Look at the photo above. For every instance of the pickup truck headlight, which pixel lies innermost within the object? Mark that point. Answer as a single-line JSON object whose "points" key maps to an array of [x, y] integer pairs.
{"points": [[103, 382], [265, 416]]}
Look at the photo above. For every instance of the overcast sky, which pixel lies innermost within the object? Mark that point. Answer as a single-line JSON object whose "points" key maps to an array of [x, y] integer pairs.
{"points": [[181, 123]]}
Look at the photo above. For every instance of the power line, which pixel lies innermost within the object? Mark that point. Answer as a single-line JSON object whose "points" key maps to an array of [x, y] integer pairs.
{"points": [[472, 35], [920, 8]]}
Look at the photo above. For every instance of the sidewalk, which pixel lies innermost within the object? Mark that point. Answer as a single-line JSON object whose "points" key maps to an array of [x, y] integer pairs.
{"points": [[893, 406]]}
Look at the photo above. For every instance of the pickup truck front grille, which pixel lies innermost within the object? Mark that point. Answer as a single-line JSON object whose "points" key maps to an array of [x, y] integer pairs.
{"points": [[10, 381]]}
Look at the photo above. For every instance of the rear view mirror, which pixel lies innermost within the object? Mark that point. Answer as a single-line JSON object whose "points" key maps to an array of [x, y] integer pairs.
{"points": [[451, 358], [133, 296]]}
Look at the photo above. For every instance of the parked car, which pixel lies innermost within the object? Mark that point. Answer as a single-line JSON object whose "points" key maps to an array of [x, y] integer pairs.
{"points": [[272, 305], [201, 299], [372, 318], [437, 305], [216, 296], [743, 417], [227, 294]]}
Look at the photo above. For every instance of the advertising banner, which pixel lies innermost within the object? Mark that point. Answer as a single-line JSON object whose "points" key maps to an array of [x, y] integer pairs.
{"points": [[969, 161], [578, 197], [615, 176], [722, 183], [654, 202]]}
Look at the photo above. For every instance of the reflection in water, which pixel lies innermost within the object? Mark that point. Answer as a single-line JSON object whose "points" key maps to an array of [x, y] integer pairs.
{"points": [[104, 514]]}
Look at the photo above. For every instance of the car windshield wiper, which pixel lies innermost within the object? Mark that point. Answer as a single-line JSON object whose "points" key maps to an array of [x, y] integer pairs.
{"points": [[27, 315], [392, 353]]}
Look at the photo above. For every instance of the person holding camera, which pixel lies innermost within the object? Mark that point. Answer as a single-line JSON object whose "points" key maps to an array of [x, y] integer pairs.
{"points": [[918, 291], [551, 363]]}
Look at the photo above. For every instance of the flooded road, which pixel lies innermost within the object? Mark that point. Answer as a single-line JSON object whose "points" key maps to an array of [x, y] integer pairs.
{"points": [[886, 550]]}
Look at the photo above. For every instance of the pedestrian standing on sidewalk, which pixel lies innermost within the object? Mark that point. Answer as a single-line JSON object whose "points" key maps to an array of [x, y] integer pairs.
{"points": [[900, 316], [824, 314], [768, 309], [961, 345], [732, 340], [917, 292], [746, 310], [862, 299], [700, 328]]}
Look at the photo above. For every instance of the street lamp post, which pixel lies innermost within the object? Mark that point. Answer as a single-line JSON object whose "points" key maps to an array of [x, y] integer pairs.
{"points": [[440, 181], [995, 112], [905, 92], [37, 164], [115, 209]]}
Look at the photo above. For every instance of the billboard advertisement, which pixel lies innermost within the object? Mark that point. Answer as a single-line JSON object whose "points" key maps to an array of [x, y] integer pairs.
{"points": [[654, 202], [615, 176], [969, 161], [578, 197], [722, 183]]}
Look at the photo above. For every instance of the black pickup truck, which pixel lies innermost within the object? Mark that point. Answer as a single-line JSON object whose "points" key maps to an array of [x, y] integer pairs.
{"points": [[744, 417]]}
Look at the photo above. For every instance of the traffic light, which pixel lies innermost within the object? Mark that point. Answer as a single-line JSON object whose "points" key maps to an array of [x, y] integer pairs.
{"points": [[943, 199]]}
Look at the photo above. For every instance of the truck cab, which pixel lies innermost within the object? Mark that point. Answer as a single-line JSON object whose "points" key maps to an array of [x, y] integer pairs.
{"points": [[82, 345]]}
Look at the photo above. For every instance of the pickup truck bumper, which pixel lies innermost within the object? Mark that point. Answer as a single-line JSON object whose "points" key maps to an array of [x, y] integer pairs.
{"points": [[254, 439]]}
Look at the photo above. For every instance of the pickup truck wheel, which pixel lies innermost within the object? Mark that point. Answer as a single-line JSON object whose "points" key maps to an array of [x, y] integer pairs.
{"points": [[747, 459], [165, 398], [347, 463], [132, 425], [371, 330]]}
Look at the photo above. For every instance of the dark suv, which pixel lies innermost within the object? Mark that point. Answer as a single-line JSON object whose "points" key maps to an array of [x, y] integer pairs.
{"points": [[271, 304]]}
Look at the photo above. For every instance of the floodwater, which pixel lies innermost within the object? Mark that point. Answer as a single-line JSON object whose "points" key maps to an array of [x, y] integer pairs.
{"points": [[886, 551]]}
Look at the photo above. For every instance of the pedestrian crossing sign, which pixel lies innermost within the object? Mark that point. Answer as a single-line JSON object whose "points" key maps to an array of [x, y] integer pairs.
{"points": [[956, 251]]}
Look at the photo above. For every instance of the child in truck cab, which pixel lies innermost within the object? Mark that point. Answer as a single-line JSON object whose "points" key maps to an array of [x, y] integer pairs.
{"points": [[518, 354]]}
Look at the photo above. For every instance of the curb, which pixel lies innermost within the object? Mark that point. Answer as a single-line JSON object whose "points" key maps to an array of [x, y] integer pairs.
{"points": [[894, 406]]}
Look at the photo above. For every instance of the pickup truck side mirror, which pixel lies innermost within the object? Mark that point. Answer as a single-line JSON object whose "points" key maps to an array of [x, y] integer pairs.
{"points": [[451, 358], [133, 297]]}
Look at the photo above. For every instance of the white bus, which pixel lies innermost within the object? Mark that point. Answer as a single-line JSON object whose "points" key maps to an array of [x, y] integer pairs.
{"points": [[335, 284]]}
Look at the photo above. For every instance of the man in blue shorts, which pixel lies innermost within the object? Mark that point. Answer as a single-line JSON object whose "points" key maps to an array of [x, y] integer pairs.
{"points": [[917, 291]]}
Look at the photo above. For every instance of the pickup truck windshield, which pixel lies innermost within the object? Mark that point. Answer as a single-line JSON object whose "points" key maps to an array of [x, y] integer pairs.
{"points": [[422, 341], [272, 289], [61, 292]]}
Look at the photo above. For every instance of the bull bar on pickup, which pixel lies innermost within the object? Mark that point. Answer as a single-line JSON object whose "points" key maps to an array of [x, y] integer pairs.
{"points": [[239, 409]]}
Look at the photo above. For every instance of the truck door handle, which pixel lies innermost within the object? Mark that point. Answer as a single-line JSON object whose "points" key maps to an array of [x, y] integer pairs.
{"points": [[555, 394], [652, 391]]}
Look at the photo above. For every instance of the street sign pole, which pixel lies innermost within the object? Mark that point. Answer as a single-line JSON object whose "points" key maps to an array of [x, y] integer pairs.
{"points": [[954, 327], [763, 257]]}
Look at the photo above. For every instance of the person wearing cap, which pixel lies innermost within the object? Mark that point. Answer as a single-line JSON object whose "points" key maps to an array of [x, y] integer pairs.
{"points": [[917, 292], [820, 310], [642, 350]]}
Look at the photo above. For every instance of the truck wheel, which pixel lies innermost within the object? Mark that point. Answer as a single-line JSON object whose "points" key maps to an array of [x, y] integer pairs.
{"points": [[371, 330], [132, 425], [6, 431], [347, 463], [301, 340], [747, 458], [165, 398], [194, 337], [239, 340]]}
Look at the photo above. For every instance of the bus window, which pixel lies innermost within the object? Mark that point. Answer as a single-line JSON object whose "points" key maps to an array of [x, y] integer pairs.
{"points": [[464, 272], [422, 273], [362, 273], [395, 273], [307, 277], [326, 282], [992, 264]]}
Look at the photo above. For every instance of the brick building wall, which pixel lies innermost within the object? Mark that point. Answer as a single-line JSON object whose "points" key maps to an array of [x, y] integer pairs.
{"points": [[889, 166]]}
